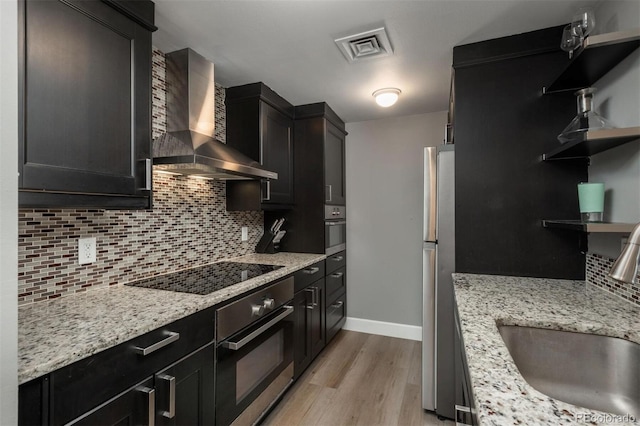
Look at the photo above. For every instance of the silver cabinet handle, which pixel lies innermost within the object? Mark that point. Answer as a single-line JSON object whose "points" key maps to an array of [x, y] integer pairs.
{"points": [[337, 222], [330, 193], [171, 337], [315, 295], [338, 304], [267, 190], [171, 382], [311, 271], [148, 174], [151, 403], [338, 258], [312, 306], [337, 275], [239, 344], [464, 410]]}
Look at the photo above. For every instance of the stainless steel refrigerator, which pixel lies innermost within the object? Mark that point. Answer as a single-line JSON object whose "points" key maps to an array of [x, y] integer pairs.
{"points": [[438, 251]]}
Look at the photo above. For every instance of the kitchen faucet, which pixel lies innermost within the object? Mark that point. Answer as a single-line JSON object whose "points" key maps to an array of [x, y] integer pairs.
{"points": [[627, 266]]}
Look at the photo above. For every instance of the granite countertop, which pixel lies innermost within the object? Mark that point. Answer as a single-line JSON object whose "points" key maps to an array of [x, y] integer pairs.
{"points": [[57, 333], [501, 395]]}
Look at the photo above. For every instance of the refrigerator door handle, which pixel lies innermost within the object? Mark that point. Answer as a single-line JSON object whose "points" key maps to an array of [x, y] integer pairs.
{"points": [[429, 266], [430, 207]]}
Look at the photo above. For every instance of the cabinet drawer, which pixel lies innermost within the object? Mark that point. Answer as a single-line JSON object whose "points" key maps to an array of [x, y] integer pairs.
{"points": [[306, 276], [85, 384], [335, 316], [335, 261], [336, 283]]}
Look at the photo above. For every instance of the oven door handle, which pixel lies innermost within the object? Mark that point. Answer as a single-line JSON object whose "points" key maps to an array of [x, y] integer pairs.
{"points": [[229, 344]]}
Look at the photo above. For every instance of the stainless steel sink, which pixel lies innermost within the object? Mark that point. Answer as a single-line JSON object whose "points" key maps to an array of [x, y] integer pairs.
{"points": [[588, 370]]}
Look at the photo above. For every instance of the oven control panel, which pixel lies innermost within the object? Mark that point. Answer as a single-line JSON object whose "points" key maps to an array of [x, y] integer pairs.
{"points": [[237, 315]]}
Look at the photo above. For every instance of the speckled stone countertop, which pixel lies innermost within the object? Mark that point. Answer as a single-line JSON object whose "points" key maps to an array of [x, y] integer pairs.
{"points": [[502, 396], [57, 333]]}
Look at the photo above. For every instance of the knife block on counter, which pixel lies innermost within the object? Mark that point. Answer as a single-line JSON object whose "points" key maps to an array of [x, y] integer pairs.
{"points": [[270, 242]]}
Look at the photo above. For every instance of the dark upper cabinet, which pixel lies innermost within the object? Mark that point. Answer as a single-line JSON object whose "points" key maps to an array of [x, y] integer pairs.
{"points": [[334, 165], [85, 103], [260, 125], [319, 173]]}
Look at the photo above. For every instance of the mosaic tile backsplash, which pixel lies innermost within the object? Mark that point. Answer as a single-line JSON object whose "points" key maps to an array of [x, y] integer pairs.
{"points": [[188, 226], [597, 269]]}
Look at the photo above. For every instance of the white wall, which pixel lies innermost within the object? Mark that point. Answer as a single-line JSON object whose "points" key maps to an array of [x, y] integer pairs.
{"points": [[8, 213], [618, 99], [384, 226]]}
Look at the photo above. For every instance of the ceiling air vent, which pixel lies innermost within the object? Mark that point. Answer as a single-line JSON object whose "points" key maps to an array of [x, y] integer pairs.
{"points": [[365, 45]]}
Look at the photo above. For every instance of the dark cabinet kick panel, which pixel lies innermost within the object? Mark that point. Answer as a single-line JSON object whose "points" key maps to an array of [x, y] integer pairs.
{"points": [[85, 106]]}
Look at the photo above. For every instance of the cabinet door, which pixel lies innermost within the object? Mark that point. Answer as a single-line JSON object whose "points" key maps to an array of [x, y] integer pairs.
{"points": [[334, 165], [277, 154], [33, 402], [336, 316], [185, 390], [135, 406], [85, 107], [317, 320], [302, 304]]}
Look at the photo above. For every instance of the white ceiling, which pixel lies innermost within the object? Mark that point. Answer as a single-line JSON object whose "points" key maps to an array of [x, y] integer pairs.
{"points": [[289, 45]]}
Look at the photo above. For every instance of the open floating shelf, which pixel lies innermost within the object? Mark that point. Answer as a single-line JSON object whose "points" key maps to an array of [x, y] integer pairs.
{"points": [[594, 142], [576, 225], [599, 54]]}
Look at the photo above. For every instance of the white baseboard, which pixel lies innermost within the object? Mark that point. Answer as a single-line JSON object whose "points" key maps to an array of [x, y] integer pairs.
{"points": [[402, 331]]}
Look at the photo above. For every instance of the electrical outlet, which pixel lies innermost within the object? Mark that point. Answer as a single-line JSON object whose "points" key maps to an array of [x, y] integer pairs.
{"points": [[245, 233], [86, 250]]}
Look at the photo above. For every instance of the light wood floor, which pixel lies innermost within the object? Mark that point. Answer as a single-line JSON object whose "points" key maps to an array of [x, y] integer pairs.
{"points": [[359, 379]]}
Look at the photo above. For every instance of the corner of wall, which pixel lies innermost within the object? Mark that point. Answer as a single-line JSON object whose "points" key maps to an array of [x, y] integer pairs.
{"points": [[9, 213]]}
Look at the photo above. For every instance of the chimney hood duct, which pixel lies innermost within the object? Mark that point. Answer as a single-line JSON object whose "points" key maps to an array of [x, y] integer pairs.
{"points": [[188, 147]]}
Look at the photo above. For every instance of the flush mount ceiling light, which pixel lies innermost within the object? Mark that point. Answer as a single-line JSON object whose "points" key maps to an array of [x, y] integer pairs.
{"points": [[386, 97]]}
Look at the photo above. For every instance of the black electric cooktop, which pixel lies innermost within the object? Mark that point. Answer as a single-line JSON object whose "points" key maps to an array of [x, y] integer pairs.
{"points": [[206, 279]]}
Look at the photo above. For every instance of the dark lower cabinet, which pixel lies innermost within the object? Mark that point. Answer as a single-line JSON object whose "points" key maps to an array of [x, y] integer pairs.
{"points": [[319, 308], [166, 375], [135, 406], [318, 330], [181, 394], [465, 412], [335, 316], [33, 402], [184, 391], [309, 325], [309, 329], [336, 294], [85, 103]]}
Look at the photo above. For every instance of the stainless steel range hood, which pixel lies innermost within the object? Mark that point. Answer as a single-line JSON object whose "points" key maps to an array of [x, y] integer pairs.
{"points": [[189, 146]]}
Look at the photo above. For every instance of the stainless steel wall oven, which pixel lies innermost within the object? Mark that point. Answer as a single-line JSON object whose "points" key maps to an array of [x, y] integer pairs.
{"points": [[335, 229], [254, 354]]}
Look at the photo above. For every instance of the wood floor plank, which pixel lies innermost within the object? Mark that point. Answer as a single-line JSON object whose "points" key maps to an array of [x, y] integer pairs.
{"points": [[336, 360], [411, 398], [415, 366], [359, 379]]}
